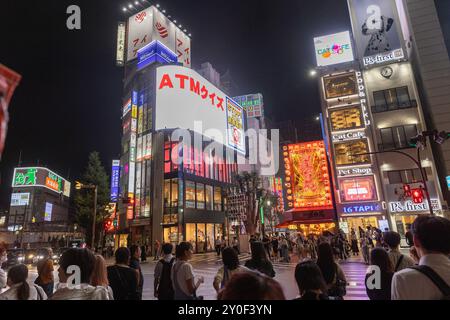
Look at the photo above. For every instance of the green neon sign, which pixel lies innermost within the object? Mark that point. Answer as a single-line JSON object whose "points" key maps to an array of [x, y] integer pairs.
{"points": [[27, 178], [261, 213]]}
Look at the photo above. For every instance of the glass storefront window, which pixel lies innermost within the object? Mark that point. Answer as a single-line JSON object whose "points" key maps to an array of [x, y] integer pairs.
{"points": [[209, 197], [174, 193], [200, 196], [217, 198], [346, 119], [201, 238], [347, 152], [210, 237], [218, 231], [166, 193], [191, 235], [190, 194]]}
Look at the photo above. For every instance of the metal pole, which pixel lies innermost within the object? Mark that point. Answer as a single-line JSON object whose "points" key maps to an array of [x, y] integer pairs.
{"points": [[94, 218], [424, 182]]}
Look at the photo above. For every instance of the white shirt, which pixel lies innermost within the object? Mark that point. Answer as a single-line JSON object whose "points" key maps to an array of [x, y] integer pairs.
{"points": [[409, 284], [184, 273], [82, 292], [2, 279], [11, 293]]}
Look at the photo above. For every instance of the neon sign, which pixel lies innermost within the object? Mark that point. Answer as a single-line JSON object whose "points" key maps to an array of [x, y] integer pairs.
{"points": [[362, 208]]}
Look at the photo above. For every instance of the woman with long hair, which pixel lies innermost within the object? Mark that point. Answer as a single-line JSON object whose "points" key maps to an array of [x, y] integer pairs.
{"points": [[230, 266], [331, 271], [310, 282], [99, 277], [380, 258], [19, 288], [259, 260]]}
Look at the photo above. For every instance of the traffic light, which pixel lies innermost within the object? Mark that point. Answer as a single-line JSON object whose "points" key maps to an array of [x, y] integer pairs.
{"points": [[128, 200], [417, 195], [108, 225], [407, 190]]}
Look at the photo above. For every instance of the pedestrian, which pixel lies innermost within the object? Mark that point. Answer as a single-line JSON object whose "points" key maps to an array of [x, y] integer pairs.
{"points": [[99, 276], [123, 279], [310, 281], [409, 236], [275, 244], [365, 249], [251, 286], [236, 245], [230, 266], [183, 279], [84, 260], [430, 280], [135, 255], [218, 245], [380, 258], [45, 270], [156, 249], [267, 244], [399, 261], [259, 260], [3, 259], [144, 253], [369, 236], [285, 249], [19, 288], [331, 271], [163, 289], [354, 241]]}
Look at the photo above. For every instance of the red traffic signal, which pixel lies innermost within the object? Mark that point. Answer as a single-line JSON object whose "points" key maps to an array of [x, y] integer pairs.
{"points": [[407, 190], [129, 200], [417, 195], [108, 225]]}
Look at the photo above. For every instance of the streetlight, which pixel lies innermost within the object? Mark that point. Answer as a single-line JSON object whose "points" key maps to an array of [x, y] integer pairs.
{"points": [[79, 186], [313, 73]]}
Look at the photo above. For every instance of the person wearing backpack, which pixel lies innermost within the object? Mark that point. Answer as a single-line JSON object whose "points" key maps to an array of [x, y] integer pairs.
{"points": [[399, 261], [122, 279], [430, 280], [163, 289], [332, 272]]}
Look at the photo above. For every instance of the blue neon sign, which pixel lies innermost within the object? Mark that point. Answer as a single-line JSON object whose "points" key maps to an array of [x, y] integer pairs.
{"points": [[448, 182], [362, 207], [115, 176], [155, 51]]}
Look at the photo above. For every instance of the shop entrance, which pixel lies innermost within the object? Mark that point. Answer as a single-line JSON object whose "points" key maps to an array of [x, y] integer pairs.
{"points": [[202, 235], [402, 222], [361, 222], [171, 235]]}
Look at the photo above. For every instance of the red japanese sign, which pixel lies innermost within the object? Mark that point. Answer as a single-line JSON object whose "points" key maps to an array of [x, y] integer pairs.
{"points": [[358, 189], [8, 83]]}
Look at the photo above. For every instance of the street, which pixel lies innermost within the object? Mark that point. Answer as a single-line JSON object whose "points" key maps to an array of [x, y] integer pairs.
{"points": [[206, 265]]}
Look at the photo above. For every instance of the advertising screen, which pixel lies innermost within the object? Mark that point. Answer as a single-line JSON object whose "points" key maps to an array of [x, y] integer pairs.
{"points": [[253, 104], [20, 199], [346, 119], [48, 211], [340, 85], [307, 184], [205, 108], [376, 28], [150, 25], [40, 177], [115, 176], [333, 49], [358, 189]]}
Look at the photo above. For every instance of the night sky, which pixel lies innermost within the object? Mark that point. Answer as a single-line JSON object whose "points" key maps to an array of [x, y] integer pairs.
{"points": [[69, 101]]}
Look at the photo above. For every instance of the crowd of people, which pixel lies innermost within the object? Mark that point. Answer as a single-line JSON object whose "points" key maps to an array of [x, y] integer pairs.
{"points": [[425, 274]]}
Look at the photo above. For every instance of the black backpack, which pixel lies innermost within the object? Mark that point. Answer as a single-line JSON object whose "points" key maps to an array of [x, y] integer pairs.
{"points": [[436, 279], [165, 288]]}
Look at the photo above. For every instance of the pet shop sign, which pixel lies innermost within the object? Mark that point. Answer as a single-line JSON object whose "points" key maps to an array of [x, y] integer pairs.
{"points": [[333, 49]]}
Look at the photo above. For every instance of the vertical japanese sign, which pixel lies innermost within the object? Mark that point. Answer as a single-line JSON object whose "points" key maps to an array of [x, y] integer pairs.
{"points": [[115, 175], [133, 142], [120, 53], [235, 126], [140, 28], [183, 48]]}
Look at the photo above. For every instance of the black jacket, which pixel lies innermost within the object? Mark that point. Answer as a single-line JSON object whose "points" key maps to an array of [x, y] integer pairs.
{"points": [[123, 282], [384, 293]]}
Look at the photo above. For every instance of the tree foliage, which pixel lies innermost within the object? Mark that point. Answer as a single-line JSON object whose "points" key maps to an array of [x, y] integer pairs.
{"points": [[94, 174]]}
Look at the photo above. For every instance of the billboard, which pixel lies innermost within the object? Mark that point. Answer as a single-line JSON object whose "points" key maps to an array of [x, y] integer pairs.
{"points": [[377, 31], [115, 176], [307, 176], [151, 24], [20, 199], [333, 49], [252, 103], [120, 52], [358, 189], [40, 177], [339, 86], [48, 211], [205, 108], [155, 52]]}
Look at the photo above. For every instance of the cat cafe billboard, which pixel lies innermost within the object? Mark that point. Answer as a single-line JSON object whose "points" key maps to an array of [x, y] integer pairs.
{"points": [[377, 31]]}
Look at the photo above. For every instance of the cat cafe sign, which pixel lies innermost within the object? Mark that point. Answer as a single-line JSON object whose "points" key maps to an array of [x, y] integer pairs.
{"points": [[346, 136]]}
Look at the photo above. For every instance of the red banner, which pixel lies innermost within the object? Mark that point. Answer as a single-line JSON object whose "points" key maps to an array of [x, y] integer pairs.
{"points": [[8, 83]]}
